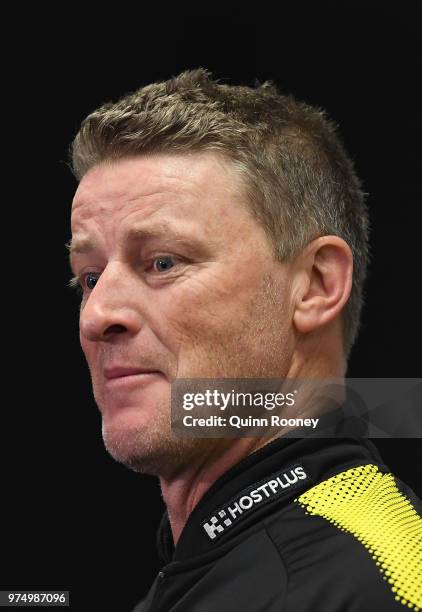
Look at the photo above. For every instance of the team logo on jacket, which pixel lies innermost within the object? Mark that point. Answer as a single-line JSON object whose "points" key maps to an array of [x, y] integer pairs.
{"points": [[252, 498]]}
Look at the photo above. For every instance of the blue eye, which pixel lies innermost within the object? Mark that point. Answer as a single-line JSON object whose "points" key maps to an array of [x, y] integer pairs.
{"points": [[91, 280], [162, 264]]}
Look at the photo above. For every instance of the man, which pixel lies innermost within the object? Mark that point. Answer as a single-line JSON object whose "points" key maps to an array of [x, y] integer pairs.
{"points": [[221, 232]]}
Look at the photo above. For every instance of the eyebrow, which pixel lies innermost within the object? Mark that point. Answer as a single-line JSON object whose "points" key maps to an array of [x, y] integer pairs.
{"points": [[158, 230], [82, 245]]}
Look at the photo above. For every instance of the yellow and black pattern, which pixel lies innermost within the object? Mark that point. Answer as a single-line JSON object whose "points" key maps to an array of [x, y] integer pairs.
{"points": [[367, 504]]}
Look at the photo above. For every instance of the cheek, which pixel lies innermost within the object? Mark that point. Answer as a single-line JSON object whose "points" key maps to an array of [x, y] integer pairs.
{"points": [[220, 308], [89, 349], [83, 343], [199, 310]]}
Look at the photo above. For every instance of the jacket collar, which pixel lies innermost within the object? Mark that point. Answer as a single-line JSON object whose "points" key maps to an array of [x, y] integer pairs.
{"points": [[319, 457]]}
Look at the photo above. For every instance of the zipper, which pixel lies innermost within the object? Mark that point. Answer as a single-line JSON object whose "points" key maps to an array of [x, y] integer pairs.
{"points": [[158, 591]]}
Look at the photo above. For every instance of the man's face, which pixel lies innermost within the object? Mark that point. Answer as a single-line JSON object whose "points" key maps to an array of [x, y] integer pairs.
{"points": [[178, 281]]}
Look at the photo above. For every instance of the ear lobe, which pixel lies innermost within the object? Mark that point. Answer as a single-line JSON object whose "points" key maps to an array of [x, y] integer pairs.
{"points": [[328, 265]]}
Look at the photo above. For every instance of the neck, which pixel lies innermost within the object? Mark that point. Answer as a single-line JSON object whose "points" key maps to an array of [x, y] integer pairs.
{"points": [[182, 493]]}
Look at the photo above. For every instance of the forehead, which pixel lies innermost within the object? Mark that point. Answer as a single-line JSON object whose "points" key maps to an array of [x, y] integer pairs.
{"points": [[111, 185]]}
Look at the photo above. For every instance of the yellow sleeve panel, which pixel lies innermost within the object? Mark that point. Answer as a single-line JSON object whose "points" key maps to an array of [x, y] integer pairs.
{"points": [[367, 504]]}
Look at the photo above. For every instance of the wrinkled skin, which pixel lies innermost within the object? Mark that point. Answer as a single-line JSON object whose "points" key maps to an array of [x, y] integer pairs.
{"points": [[220, 306]]}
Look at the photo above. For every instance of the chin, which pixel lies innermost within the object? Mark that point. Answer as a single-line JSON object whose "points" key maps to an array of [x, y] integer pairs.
{"points": [[141, 443], [152, 449], [126, 437]]}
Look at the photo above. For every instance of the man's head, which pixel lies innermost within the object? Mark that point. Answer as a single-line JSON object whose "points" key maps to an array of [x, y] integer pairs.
{"points": [[210, 232]]}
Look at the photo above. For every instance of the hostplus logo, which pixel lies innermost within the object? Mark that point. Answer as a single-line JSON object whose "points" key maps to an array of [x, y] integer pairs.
{"points": [[249, 499]]}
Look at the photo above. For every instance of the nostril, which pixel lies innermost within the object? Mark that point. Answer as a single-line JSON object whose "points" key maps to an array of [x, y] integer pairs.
{"points": [[115, 329]]}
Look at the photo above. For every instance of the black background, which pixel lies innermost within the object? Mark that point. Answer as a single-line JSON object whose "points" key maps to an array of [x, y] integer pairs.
{"points": [[72, 518]]}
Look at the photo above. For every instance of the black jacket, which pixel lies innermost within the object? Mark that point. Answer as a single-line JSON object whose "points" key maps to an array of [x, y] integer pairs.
{"points": [[303, 525]]}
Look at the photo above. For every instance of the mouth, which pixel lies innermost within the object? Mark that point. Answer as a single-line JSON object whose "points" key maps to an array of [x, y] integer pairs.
{"points": [[123, 376], [123, 372]]}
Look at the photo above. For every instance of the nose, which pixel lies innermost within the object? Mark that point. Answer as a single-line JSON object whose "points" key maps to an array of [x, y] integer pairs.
{"points": [[110, 309]]}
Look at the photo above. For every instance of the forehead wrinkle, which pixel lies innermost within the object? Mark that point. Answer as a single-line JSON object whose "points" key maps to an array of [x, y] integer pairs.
{"points": [[84, 244], [117, 200], [155, 230], [136, 232], [167, 177], [90, 204]]}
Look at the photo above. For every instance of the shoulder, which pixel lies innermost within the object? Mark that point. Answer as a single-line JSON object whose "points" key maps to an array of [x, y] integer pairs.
{"points": [[354, 537]]}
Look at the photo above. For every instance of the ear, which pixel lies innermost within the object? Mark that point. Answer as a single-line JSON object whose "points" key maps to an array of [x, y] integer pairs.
{"points": [[323, 282]]}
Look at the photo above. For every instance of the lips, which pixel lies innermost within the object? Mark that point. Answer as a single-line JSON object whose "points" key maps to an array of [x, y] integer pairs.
{"points": [[114, 372]]}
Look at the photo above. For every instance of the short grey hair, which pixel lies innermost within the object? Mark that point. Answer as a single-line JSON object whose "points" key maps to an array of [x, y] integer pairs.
{"points": [[298, 180]]}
